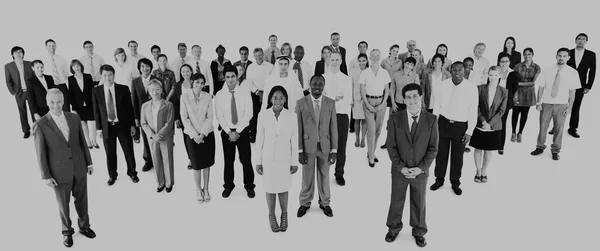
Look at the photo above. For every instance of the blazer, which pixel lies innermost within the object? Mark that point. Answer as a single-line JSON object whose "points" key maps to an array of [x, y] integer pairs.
{"points": [[214, 69], [493, 114], [307, 127], [60, 158], [276, 139], [13, 76], [36, 94], [407, 152], [320, 68], [122, 102], [239, 62], [428, 89], [78, 96], [512, 85], [165, 120], [196, 118], [587, 64], [139, 95]]}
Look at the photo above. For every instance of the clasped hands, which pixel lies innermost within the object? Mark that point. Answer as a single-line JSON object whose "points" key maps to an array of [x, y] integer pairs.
{"points": [[411, 173], [233, 136], [199, 139], [303, 158], [259, 169]]}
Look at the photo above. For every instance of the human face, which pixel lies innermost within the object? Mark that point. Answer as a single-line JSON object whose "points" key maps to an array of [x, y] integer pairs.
{"points": [[133, 47], [335, 40], [162, 62], [273, 41], [38, 69], [155, 91], [155, 53], [197, 52], [51, 47], [120, 58], [408, 66], [416, 55], [316, 87], [458, 72], [479, 50], [411, 45], [437, 63], [108, 77], [325, 54], [286, 50], [197, 85], [299, 54], [244, 55], [412, 99], [283, 66], [231, 80], [55, 103], [468, 66], [240, 70], [278, 100], [335, 60], [362, 48], [145, 69], [375, 56], [18, 55], [182, 51], [76, 68], [504, 63], [528, 56], [186, 72], [442, 50], [562, 57], [394, 52], [509, 44], [89, 49], [581, 41], [259, 57], [494, 76], [221, 52], [362, 63]]}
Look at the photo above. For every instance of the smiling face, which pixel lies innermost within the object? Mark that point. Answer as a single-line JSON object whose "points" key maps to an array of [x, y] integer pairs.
{"points": [[362, 63], [182, 51], [412, 99], [155, 53], [510, 44], [411, 45], [299, 53], [375, 56], [325, 54], [120, 58], [316, 87], [240, 70], [155, 91], [186, 72], [335, 40], [259, 57], [335, 60], [38, 69], [197, 85], [273, 41], [221, 52], [145, 69], [504, 63], [231, 80], [133, 47], [55, 102], [286, 50], [442, 50], [18, 55], [197, 52], [528, 56], [494, 76], [437, 63], [408, 66], [162, 62], [244, 55], [278, 100], [108, 77], [76, 68], [458, 72], [362, 48], [89, 49], [479, 50], [394, 52]]}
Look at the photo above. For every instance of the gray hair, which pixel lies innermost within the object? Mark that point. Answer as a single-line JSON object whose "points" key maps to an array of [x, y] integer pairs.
{"points": [[54, 91], [155, 82]]}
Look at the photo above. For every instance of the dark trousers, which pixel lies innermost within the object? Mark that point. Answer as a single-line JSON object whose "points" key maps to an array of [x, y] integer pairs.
{"points": [[503, 137], [574, 121], [342, 128], [120, 132], [63, 196], [524, 111], [418, 187], [21, 98], [147, 155], [450, 142], [352, 121], [256, 104], [243, 147]]}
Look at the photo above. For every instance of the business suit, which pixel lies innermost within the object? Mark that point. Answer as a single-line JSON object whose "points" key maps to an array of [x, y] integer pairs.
{"points": [[161, 150], [408, 151], [119, 130], [81, 100], [139, 96], [587, 74], [15, 87], [317, 141], [36, 95], [66, 161], [491, 113], [239, 62], [320, 67]]}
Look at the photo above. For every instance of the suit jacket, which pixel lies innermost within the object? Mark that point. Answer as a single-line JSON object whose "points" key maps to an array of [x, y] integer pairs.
{"points": [[165, 119], [122, 102], [343, 66], [78, 96], [60, 158], [139, 95], [307, 127], [428, 89], [214, 69], [13, 77], [276, 139], [239, 62], [492, 114], [407, 152], [587, 65], [36, 94], [320, 67]]}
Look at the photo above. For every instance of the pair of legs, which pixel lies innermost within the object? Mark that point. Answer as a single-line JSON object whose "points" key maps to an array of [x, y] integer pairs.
{"points": [[374, 124], [418, 188], [450, 146], [78, 188], [554, 112], [360, 127], [482, 161], [523, 112], [244, 149], [111, 134], [317, 163], [272, 200], [199, 177], [162, 158]]}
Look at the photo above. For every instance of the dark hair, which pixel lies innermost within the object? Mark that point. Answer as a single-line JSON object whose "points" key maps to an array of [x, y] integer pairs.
{"points": [[37, 61], [244, 48], [410, 60], [220, 47], [146, 62], [438, 47], [181, 67], [457, 63], [394, 46], [230, 68], [273, 91], [503, 55], [49, 40], [197, 76], [299, 47], [412, 87], [162, 55], [582, 34], [107, 67], [467, 59], [15, 49], [363, 42], [334, 34], [131, 42], [514, 46], [182, 44], [440, 56], [87, 42], [155, 47], [272, 35], [194, 46], [326, 47], [74, 62], [316, 76], [362, 55], [562, 49], [528, 49]]}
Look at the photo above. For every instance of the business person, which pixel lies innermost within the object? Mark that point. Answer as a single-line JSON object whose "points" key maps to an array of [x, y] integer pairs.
{"points": [[317, 145], [91, 62], [584, 61], [217, 68], [360, 125], [16, 73], [81, 86], [335, 46], [412, 146], [58, 69], [37, 87], [433, 79], [114, 116], [64, 161], [157, 120], [140, 95], [509, 79]]}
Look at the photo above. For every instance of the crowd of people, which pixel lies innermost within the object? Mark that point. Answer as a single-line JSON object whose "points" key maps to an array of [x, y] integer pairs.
{"points": [[280, 113]]}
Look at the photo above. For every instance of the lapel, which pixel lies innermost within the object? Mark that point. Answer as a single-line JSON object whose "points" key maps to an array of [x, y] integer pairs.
{"points": [[404, 122], [421, 123], [72, 125], [583, 57], [484, 93], [54, 126], [311, 107], [494, 100], [102, 99]]}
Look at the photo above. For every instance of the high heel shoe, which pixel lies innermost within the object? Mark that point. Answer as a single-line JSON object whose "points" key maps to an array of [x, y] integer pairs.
{"points": [[513, 137], [362, 144], [273, 222], [519, 137], [200, 195], [206, 196], [284, 222]]}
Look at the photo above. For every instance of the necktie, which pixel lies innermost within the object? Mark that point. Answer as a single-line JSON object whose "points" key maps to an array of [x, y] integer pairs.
{"points": [[413, 127], [317, 116], [55, 72], [234, 116], [197, 66], [244, 67], [554, 92], [272, 56], [298, 68], [92, 69], [111, 107], [64, 128]]}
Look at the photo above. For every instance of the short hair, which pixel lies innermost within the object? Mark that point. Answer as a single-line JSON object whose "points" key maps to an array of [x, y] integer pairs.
{"points": [[412, 87], [272, 35], [258, 50], [230, 68], [442, 45], [132, 42], [75, 62], [119, 51], [457, 63], [315, 77], [155, 82], [362, 55], [146, 62], [197, 76], [440, 56], [467, 59], [87, 42], [194, 46], [37, 61], [334, 34], [219, 47], [562, 49], [410, 60], [503, 55], [181, 67], [244, 48], [363, 42], [107, 67], [528, 49], [479, 44], [335, 53], [15, 49], [273, 91], [162, 55], [582, 34], [49, 40], [514, 44], [182, 44], [155, 47], [394, 46], [54, 91], [299, 47]]}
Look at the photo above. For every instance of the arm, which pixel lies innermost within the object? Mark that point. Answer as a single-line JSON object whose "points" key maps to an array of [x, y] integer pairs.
{"points": [[247, 116], [83, 143], [333, 132], [571, 100], [393, 91], [501, 110], [294, 161], [221, 116], [260, 141], [592, 73], [432, 148], [207, 127], [472, 111], [167, 128], [188, 127], [42, 152], [392, 146], [386, 92], [435, 95], [144, 122], [31, 98], [9, 83], [96, 108], [170, 87], [300, 127], [209, 79], [135, 102], [129, 107]]}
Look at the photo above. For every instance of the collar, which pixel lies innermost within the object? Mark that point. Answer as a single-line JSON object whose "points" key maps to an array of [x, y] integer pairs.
{"points": [[56, 118], [226, 87], [410, 115], [112, 88], [314, 99], [147, 79], [42, 79]]}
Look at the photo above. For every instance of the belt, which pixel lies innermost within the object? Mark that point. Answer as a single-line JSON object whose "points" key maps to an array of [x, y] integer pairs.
{"points": [[374, 97], [453, 121], [112, 123]]}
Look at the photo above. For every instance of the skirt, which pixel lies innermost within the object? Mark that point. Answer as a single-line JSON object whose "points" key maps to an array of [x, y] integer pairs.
{"points": [[277, 177], [525, 96], [201, 155], [488, 141], [358, 112], [86, 113]]}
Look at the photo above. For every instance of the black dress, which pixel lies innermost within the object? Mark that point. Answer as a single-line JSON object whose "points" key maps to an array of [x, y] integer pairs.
{"points": [[488, 141]]}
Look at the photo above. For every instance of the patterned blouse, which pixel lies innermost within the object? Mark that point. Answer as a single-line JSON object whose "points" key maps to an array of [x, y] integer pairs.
{"points": [[221, 68], [527, 73], [167, 78]]}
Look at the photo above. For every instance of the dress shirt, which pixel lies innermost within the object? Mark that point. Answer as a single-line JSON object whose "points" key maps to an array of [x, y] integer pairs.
{"points": [[258, 74], [374, 85], [336, 85], [123, 74], [112, 90], [491, 95], [410, 119], [479, 74], [197, 114], [569, 80], [435, 85], [243, 103], [79, 82], [307, 72], [268, 53], [43, 81], [204, 69], [399, 80], [146, 81], [155, 107], [176, 64], [458, 102], [21, 69], [62, 124], [133, 62], [289, 83], [61, 65], [578, 56], [87, 65]]}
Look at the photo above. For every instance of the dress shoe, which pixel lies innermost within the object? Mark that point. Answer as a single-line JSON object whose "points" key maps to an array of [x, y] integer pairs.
{"points": [[326, 210], [169, 189], [390, 237], [252, 139], [501, 152], [160, 189], [420, 241], [147, 167], [537, 151], [555, 156], [456, 189], [134, 178], [250, 193], [513, 138], [26, 135], [551, 132], [88, 233], [436, 186], [340, 180], [383, 146], [574, 134], [467, 149], [68, 240], [302, 211], [372, 164], [111, 181], [226, 193], [376, 160]]}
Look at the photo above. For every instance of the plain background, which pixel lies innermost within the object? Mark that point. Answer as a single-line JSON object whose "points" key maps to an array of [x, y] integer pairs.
{"points": [[528, 203]]}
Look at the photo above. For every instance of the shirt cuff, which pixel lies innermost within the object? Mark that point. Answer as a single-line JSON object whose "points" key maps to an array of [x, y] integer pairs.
{"points": [[333, 151]]}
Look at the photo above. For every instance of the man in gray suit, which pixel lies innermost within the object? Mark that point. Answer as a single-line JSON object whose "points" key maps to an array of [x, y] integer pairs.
{"points": [[412, 143], [317, 140], [65, 161], [17, 73]]}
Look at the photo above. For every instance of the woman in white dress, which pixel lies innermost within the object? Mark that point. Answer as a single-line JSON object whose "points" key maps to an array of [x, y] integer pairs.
{"points": [[122, 68], [276, 153]]}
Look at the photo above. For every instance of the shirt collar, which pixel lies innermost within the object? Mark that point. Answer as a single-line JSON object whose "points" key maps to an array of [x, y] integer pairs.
{"points": [[314, 99], [112, 88], [410, 115], [57, 118]]}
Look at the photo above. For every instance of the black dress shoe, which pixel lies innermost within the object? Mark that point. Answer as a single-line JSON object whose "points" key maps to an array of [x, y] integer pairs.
{"points": [[383, 147], [420, 240], [26, 135], [555, 156], [147, 167], [111, 181], [134, 178], [551, 132], [302, 211], [226, 193], [574, 134], [467, 149], [88, 233], [390, 237], [68, 240], [456, 190], [340, 180], [327, 210], [372, 164], [169, 189], [436, 186], [376, 160], [537, 151], [250, 193], [501, 152], [160, 189]]}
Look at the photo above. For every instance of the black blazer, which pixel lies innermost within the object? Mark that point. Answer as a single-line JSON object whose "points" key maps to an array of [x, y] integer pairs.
{"points": [[320, 68], [239, 62], [122, 102], [78, 96], [493, 114], [214, 68], [139, 95], [36, 94], [343, 66], [13, 77], [512, 85], [515, 58], [587, 64]]}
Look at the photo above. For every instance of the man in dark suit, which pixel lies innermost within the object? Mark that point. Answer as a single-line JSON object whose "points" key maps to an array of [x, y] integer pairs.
{"points": [[140, 96], [37, 87], [412, 143], [114, 115], [335, 45], [16, 73], [584, 61], [244, 62], [65, 161], [318, 143]]}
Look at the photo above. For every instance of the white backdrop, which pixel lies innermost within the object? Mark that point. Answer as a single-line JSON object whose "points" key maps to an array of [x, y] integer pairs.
{"points": [[530, 202]]}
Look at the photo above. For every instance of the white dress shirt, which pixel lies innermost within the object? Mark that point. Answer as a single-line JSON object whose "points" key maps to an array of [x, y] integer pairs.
{"points": [[123, 74], [87, 65], [204, 69], [146, 81], [374, 85], [289, 83], [410, 119], [243, 103], [133, 62], [307, 72], [578, 56], [61, 65], [176, 64], [62, 124], [479, 74], [258, 74], [435, 84], [339, 85], [20, 67], [569, 80], [458, 102], [112, 90]]}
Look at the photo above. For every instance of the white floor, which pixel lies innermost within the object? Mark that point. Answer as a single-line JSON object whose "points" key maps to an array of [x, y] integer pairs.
{"points": [[528, 203]]}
